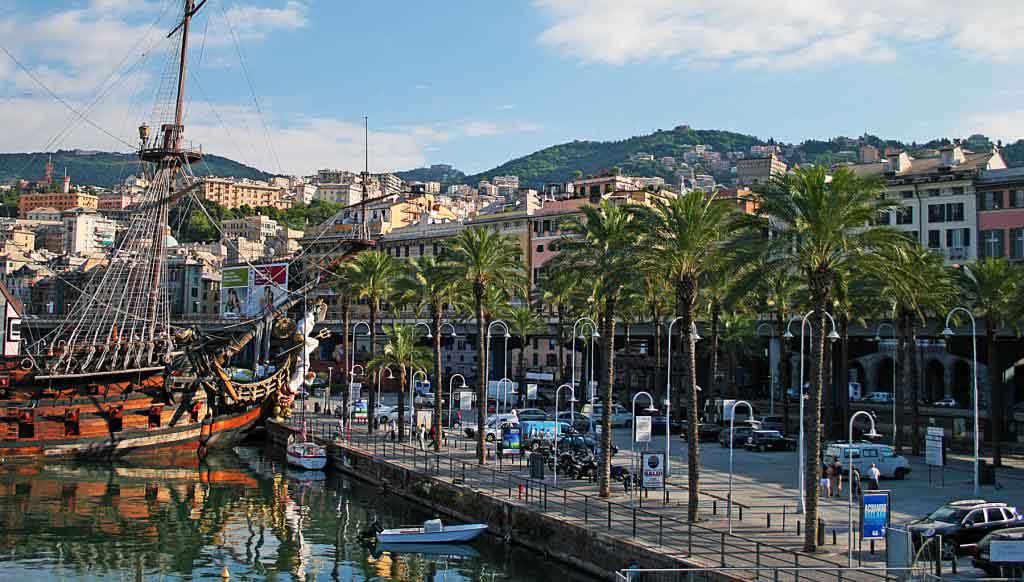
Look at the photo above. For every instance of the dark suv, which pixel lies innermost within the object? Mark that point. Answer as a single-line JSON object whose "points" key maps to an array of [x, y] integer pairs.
{"points": [[962, 524], [764, 440]]}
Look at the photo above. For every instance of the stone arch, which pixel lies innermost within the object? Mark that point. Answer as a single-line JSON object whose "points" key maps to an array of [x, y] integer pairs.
{"points": [[934, 381], [962, 382], [884, 375]]}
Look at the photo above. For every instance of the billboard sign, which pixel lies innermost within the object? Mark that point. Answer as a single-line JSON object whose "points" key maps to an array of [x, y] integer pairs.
{"points": [[874, 515], [234, 292], [511, 440], [269, 287], [653, 470], [361, 410], [531, 391]]}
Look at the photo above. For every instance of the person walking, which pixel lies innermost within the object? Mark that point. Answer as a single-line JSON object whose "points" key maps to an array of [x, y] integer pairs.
{"points": [[837, 472], [392, 429], [826, 481], [421, 434], [874, 476], [855, 482]]}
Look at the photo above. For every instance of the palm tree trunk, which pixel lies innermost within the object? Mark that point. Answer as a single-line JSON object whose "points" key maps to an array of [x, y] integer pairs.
{"points": [[716, 313], [608, 339], [820, 285], [659, 385], [900, 361], [375, 385], [784, 374], [626, 379], [522, 362], [915, 387], [401, 404], [438, 380], [561, 347], [481, 389], [346, 347], [995, 396], [844, 377], [687, 297]]}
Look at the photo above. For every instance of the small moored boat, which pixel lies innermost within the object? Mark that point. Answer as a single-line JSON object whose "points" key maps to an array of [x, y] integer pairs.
{"points": [[432, 532], [307, 455]]}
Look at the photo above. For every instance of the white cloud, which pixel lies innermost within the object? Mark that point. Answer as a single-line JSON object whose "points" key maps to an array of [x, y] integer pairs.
{"points": [[781, 33], [254, 22], [421, 86], [1007, 125]]}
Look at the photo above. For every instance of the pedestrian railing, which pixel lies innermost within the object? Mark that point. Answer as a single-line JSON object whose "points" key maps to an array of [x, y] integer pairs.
{"points": [[660, 532], [772, 574]]}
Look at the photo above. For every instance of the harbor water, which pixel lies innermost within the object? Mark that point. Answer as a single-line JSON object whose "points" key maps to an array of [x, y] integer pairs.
{"points": [[240, 510]]}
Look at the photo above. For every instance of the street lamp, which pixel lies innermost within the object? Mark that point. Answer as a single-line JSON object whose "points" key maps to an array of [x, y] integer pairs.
{"points": [[451, 401], [503, 387], [504, 358], [878, 338], [352, 363], [632, 441], [732, 436], [948, 333], [771, 368], [593, 336], [849, 468], [833, 336], [327, 393], [558, 426], [668, 392], [429, 335], [412, 401], [453, 334]]}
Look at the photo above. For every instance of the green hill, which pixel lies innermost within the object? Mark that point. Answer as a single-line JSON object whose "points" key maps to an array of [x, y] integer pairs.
{"points": [[106, 169], [437, 173]]}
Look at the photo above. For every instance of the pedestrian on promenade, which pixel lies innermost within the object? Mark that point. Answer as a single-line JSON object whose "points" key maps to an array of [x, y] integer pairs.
{"points": [[855, 483], [433, 436], [826, 481], [874, 475], [392, 429], [421, 435], [837, 472]]}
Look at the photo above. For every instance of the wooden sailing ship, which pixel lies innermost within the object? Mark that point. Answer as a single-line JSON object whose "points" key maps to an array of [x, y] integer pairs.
{"points": [[116, 378]]}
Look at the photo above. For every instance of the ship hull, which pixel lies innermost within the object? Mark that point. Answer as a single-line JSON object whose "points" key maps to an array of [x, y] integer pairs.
{"points": [[190, 439]]}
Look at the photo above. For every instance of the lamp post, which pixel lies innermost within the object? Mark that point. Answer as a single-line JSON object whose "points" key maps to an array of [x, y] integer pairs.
{"points": [[771, 368], [948, 333], [833, 336], [327, 393], [558, 427], [732, 436], [451, 401], [503, 389], [412, 401], [878, 338], [632, 441], [849, 468], [593, 336], [504, 359], [429, 335], [668, 393], [352, 365]]}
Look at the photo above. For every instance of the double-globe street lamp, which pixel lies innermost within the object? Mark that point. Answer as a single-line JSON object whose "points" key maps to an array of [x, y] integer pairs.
{"points": [[732, 436], [878, 338], [771, 368], [581, 323], [668, 392], [948, 333], [632, 441], [849, 468], [451, 394], [833, 336], [558, 426]]}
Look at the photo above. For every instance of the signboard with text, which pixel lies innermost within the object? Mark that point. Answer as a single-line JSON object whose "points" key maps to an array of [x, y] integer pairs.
{"points": [[252, 290], [531, 391], [465, 401], [874, 515], [643, 429], [934, 447], [653, 470]]}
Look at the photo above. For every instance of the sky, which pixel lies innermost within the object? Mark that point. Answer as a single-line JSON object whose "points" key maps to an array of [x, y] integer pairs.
{"points": [[284, 84]]}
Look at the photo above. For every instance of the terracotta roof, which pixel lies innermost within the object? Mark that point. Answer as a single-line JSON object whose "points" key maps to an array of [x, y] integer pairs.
{"points": [[923, 166]]}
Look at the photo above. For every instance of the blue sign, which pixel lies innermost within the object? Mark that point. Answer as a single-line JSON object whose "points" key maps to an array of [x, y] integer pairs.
{"points": [[874, 511], [511, 440]]}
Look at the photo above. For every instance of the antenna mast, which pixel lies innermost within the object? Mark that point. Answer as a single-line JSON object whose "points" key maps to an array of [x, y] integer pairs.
{"points": [[365, 176]]}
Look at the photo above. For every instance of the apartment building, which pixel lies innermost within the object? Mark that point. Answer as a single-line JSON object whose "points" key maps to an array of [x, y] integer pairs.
{"points": [[59, 201], [231, 193], [753, 171], [1001, 213], [87, 233]]}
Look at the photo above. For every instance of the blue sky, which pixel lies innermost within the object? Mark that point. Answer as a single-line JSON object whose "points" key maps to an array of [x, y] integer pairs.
{"points": [[474, 84]]}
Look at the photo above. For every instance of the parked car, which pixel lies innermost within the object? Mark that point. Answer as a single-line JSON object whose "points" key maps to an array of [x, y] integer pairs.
{"points": [[706, 431], [765, 440], [525, 414], [659, 421], [962, 524], [385, 414], [865, 454], [580, 441], [620, 416], [879, 397], [772, 423], [742, 433], [994, 568], [946, 403], [491, 423], [581, 423]]}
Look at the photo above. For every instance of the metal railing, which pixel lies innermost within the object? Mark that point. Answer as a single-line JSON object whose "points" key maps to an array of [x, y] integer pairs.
{"points": [[657, 531], [774, 574]]}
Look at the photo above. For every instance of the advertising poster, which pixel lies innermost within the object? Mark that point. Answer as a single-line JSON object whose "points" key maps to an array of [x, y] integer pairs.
{"points": [[511, 440], [269, 286], [653, 470], [643, 429], [465, 401], [531, 391], [234, 292], [933, 447], [361, 410], [874, 512]]}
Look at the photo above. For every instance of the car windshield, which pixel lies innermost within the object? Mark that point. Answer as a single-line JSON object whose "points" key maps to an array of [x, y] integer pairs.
{"points": [[769, 433], [948, 514]]}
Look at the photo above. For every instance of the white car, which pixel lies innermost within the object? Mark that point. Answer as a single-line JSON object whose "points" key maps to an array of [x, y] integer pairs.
{"points": [[620, 415], [386, 413], [864, 455]]}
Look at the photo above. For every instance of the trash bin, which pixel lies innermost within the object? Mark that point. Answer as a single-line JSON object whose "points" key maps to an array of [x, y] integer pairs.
{"points": [[986, 473], [536, 466]]}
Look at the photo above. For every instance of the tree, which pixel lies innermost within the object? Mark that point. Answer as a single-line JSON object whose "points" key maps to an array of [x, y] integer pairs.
{"points": [[341, 282], [601, 245], [485, 258], [684, 237], [992, 288], [430, 285], [524, 321], [656, 293], [818, 226], [373, 277], [402, 352], [738, 336], [557, 290]]}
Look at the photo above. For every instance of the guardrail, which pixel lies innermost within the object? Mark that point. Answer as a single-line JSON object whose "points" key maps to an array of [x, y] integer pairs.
{"points": [[659, 532], [775, 574]]}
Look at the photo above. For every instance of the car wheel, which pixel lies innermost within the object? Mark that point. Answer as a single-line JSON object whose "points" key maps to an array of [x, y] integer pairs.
{"points": [[900, 474]]}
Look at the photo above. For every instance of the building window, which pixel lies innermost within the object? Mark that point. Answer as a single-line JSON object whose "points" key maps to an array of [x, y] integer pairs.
{"points": [[905, 215], [958, 191], [958, 238], [882, 218], [1017, 198], [952, 212], [991, 200], [932, 192], [1017, 243], [992, 243], [540, 248], [933, 239], [421, 249], [907, 193]]}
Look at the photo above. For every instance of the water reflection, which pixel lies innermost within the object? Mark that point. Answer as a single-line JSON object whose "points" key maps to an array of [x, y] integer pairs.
{"points": [[242, 511]]}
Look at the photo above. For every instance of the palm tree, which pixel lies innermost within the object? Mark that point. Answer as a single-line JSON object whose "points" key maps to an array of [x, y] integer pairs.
{"points": [[373, 276], [685, 236], [656, 293], [485, 259], [557, 290], [601, 244], [342, 285], [738, 336], [431, 285], [401, 352], [992, 288], [524, 322], [818, 226]]}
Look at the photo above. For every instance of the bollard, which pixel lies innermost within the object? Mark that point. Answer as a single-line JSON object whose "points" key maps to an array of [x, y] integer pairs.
{"points": [[768, 520], [783, 518], [757, 560], [586, 509], [521, 492], [661, 525], [833, 536], [634, 522], [798, 528], [609, 515], [821, 533], [741, 513], [714, 507], [722, 548]]}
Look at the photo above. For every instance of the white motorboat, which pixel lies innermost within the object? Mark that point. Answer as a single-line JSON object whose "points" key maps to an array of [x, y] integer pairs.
{"points": [[307, 455], [432, 532]]}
